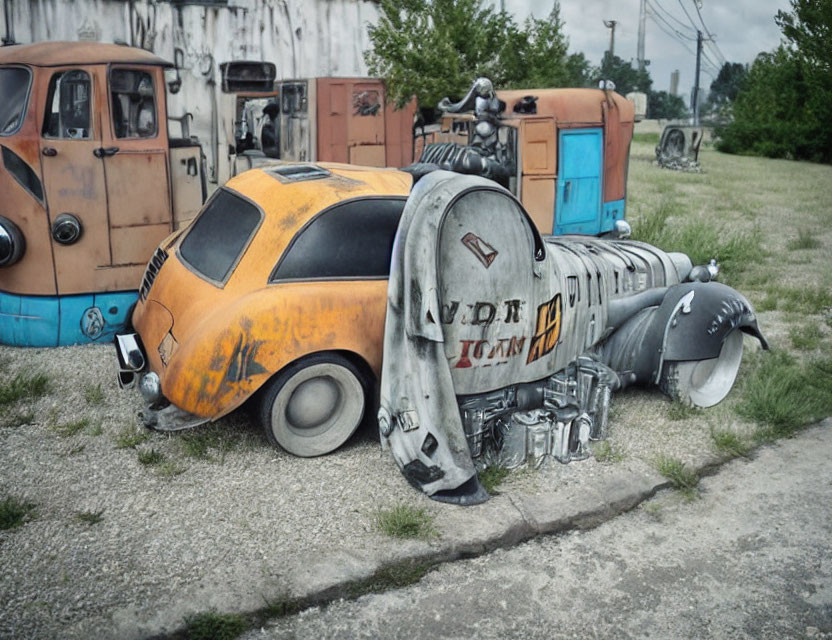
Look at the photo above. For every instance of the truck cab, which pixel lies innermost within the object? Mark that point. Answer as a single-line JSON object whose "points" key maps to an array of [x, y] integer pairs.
{"points": [[564, 153], [91, 183]]}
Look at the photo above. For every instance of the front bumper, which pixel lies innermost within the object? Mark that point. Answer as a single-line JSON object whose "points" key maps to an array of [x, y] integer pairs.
{"points": [[159, 414]]}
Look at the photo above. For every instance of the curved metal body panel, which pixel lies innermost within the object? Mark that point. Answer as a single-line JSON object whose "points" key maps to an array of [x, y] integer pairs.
{"points": [[476, 309], [214, 344]]}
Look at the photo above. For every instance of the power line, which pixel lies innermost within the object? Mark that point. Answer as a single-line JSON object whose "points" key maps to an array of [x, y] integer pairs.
{"points": [[657, 5], [692, 23], [711, 36], [670, 26], [671, 34]]}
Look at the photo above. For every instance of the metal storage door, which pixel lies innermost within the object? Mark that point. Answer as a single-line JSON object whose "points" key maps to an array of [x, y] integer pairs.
{"points": [[578, 206]]}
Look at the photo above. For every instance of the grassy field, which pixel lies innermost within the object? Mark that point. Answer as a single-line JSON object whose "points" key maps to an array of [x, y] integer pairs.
{"points": [[769, 225]]}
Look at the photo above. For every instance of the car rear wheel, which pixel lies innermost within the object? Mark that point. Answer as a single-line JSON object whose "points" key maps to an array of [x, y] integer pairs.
{"points": [[704, 383], [314, 405]]}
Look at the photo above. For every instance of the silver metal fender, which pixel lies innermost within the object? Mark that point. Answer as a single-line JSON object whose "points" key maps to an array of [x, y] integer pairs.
{"points": [[690, 324]]}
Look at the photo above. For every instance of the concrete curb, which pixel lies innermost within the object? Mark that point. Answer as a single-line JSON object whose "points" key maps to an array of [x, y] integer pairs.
{"points": [[505, 521]]}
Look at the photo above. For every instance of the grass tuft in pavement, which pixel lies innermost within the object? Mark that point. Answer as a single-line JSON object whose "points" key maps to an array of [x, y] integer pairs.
{"points": [[17, 419], [677, 411], [130, 438], [14, 512], [211, 625], [395, 577], [492, 477], [607, 453], [405, 521], [93, 394], [280, 608], [69, 429], [150, 457], [782, 395], [23, 385], [90, 517], [682, 477], [207, 443], [170, 469], [730, 444]]}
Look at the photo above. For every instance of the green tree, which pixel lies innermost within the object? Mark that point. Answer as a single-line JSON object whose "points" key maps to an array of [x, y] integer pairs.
{"points": [[626, 77], [784, 108], [665, 106], [431, 49], [728, 82]]}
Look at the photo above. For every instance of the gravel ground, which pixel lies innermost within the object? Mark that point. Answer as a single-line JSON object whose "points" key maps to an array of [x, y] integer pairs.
{"points": [[246, 509], [225, 508]]}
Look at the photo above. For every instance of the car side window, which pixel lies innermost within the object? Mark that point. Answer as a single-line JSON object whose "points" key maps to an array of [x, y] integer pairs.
{"points": [[133, 103], [68, 106], [353, 239]]}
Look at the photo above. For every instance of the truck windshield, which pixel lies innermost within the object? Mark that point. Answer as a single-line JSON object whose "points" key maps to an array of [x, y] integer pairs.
{"points": [[14, 87], [220, 235]]}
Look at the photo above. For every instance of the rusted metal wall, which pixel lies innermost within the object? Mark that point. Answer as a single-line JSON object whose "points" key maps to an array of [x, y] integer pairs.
{"points": [[304, 38]]}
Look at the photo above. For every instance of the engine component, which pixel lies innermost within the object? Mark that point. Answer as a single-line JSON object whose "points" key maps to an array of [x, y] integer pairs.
{"points": [[556, 417]]}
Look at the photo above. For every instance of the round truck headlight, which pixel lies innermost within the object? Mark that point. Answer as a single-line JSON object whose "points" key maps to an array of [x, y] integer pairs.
{"points": [[66, 229], [150, 387], [12, 243]]}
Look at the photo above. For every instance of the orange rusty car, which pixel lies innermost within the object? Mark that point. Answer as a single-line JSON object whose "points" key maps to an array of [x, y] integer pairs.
{"points": [[278, 286]]}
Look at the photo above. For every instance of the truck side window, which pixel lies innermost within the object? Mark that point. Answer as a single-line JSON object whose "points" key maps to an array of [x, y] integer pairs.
{"points": [[133, 103], [293, 97], [68, 106], [15, 83], [353, 239]]}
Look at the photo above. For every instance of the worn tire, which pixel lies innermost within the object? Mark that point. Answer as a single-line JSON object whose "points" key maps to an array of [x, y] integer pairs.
{"points": [[312, 406], [704, 383]]}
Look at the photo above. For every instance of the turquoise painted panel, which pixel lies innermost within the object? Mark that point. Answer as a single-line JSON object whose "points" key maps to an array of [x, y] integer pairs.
{"points": [[71, 312], [48, 321], [612, 211], [37, 323], [580, 162]]}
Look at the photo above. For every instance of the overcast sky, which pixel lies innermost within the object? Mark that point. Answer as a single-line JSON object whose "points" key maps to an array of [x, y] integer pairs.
{"points": [[742, 28]]}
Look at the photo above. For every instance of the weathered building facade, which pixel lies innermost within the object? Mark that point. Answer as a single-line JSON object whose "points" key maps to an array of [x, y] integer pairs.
{"points": [[303, 38]]}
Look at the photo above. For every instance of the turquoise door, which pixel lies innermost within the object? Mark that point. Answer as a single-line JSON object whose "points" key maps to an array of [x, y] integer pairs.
{"points": [[578, 203]]}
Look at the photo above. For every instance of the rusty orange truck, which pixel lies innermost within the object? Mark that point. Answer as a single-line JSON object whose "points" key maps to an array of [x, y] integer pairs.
{"points": [[92, 180]]}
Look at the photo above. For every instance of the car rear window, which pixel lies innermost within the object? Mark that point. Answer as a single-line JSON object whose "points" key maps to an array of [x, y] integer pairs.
{"points": [[14, 89], [219, 236], [353, 239]]}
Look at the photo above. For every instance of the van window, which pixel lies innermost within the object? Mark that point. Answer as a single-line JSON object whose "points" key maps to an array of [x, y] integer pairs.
{"points": [[353, 239], [133, 102], [68, 106], [219, 236], [15, 83]]}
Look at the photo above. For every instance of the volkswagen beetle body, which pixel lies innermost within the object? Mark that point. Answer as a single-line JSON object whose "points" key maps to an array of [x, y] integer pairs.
{"points": [[283, 263]]}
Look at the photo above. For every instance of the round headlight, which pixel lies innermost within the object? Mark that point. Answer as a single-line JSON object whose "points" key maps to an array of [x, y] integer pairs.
{"points": [[150, 387], [12, 244], [66, 229]]}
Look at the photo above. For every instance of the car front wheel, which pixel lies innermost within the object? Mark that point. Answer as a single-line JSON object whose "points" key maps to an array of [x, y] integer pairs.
{"points": [[704, 383], [313, 405]]}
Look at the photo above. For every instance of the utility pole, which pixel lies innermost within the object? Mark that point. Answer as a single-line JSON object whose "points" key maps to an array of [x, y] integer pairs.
{"points": [[696, 82], [610, 24], [642, 24]]}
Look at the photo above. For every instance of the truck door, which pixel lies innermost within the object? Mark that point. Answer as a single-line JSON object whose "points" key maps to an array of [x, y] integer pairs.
{"points": [[135, 153], [578, 204], [74, 180]]}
